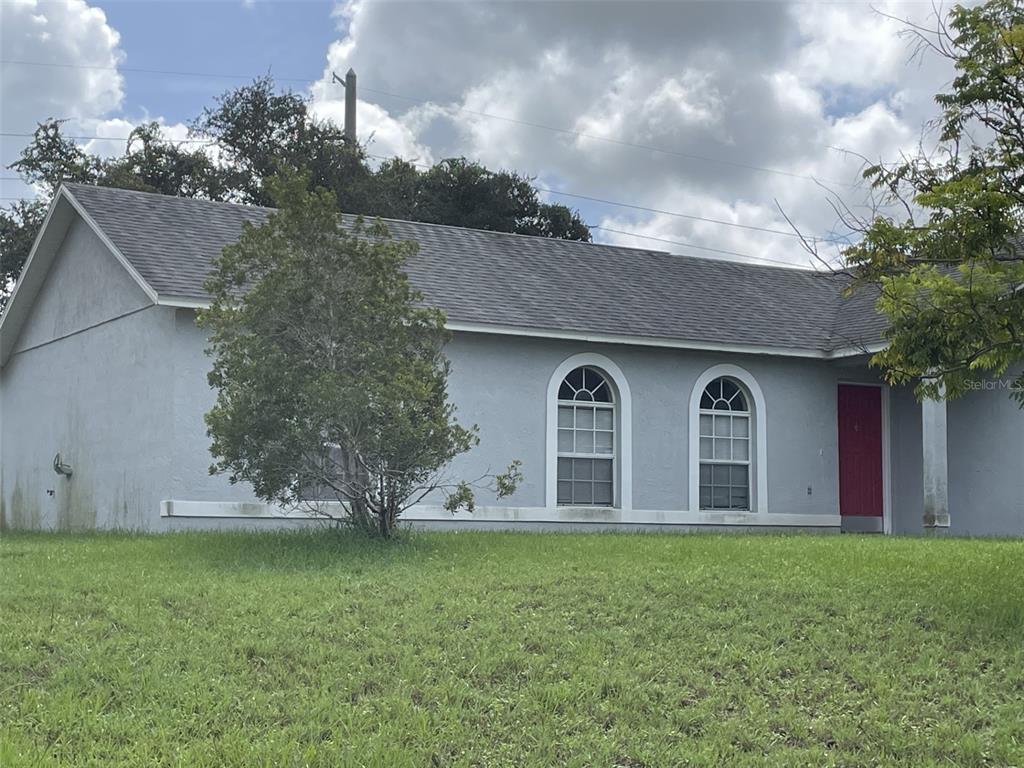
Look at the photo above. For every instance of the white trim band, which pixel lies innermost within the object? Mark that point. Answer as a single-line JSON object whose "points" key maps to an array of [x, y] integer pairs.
{"points": [[580, 515]]}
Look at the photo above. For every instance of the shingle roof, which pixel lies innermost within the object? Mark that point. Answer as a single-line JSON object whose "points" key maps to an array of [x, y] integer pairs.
{"points": [[527, 282]]}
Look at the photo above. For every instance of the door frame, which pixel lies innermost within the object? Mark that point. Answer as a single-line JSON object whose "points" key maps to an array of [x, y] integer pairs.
{"points": [[886, 448]]}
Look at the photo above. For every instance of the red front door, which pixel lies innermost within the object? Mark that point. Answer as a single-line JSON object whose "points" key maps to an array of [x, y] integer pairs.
{"points": [[860, 450]]}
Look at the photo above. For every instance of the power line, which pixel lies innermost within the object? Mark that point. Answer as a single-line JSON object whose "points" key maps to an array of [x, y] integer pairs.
{"points": [[694, 245], [688, 216], [516, 121], [111, 138], [693, 217], [143, 71], [631, 206], [680, 243]]}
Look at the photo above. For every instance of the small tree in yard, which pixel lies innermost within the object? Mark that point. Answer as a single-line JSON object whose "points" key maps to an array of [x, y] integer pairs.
{"points": [[330, 374], [951, 267]]}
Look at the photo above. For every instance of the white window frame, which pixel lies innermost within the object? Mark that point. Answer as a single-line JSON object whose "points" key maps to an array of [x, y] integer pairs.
{"points": [[758, 472], [594, 406], [731, 415], [622, 461]]}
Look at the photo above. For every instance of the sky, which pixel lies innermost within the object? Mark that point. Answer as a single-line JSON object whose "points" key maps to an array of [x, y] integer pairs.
{"points": [[706, 129]]}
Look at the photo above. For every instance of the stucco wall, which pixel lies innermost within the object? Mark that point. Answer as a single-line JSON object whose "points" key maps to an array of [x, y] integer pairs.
{"points": [[907, 461], [119, 388], [985, 436], [87, 379], [500, 383], [193, 397], [985, 456]]}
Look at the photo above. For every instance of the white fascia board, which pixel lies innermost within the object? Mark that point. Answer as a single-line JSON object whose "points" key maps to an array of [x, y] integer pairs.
{"points": [[33, 272], [607, 338], [49, 239], [171, 301], [865, 349], [649, 341], [638, 341], [32, 254]]}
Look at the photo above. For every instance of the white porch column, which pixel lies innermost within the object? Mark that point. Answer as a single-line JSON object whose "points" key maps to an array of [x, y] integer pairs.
{"points": [[933, 443]]}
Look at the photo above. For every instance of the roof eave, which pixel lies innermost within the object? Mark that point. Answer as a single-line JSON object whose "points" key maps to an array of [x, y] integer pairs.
{"points": [[51, 234], [63, 209], [609, 338]]}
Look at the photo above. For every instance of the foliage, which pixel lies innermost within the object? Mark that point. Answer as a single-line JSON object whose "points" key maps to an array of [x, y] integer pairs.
{"points": [[950, 268], [152, 163], [254, 132], [260, 132], [51, 159], [495, 649], [457, 190], [329, 371], [18, 228]]}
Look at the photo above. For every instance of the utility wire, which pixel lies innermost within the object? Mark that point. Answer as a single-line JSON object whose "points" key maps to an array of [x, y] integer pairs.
{"points": [[422, 101], [142, 71], [105, 138], [694, 245], [693, 217], [688, 216], [631, 206]]}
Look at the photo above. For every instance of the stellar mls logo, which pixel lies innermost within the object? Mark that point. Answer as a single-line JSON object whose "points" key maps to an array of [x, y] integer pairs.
{"points": [[991, 385]]}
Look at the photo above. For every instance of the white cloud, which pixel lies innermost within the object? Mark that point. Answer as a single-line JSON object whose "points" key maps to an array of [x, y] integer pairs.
{"points": [[729, 92], [384, 135], [70, 31], [66, 31], [114, 131]]}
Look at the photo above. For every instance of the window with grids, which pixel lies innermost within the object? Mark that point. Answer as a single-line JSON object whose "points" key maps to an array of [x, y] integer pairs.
{"points": [[586, 439], [724, 446]]}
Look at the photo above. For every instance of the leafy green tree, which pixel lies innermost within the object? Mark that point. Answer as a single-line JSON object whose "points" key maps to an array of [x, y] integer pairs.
{"points": [[258, 132], [51, 159], [951, 266], [330, 375], [152, 163], [458, 191], [18, 228]]}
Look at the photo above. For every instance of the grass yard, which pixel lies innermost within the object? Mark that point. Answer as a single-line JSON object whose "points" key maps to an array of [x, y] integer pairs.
{"points": [[510, 650]]}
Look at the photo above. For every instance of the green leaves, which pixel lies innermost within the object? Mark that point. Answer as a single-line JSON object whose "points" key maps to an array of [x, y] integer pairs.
{"points": [[329, 371], [259, 132], [950, 271], [18, 228]]}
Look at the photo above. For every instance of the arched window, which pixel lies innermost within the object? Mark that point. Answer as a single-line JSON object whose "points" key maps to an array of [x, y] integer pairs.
{"points": [[586, 439], [728, 454], [725, 445]]}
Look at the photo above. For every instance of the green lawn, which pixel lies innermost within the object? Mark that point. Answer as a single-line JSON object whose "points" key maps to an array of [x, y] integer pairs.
{"points": [[510, 650]]}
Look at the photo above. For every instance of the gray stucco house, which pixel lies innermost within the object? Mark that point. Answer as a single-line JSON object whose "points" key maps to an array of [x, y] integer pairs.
{"points": [[638, 388]]}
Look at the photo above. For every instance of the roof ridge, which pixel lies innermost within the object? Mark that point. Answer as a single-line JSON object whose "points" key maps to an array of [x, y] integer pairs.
{"points": [[455, 227]]}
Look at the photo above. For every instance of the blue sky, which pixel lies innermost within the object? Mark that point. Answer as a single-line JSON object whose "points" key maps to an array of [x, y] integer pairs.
{"points": [[287, 38]]}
